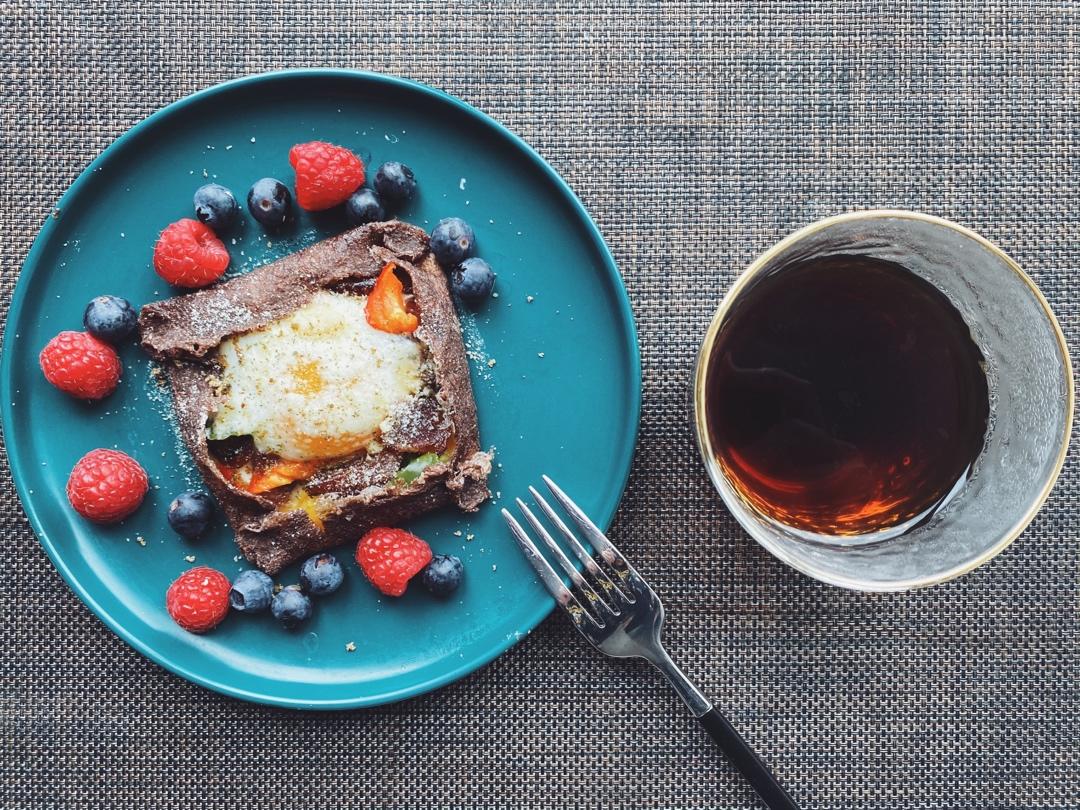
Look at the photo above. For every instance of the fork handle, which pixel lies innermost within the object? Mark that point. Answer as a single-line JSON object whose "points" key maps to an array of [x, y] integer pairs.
{"points": [[742, 756]]}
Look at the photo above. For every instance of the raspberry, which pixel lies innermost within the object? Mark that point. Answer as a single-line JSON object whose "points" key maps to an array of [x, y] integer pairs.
{"points": [[198, 600], [81, 365], [326, 175], [188, 254], [106, 486], [391, 557]]}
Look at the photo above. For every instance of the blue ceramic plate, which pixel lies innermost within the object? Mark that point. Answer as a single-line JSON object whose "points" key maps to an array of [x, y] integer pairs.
{"points": [[562, 397]]}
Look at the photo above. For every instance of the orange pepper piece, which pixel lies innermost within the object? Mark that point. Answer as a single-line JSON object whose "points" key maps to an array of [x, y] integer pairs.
{"points": [[282, 473], [386, 304], [268, 478]]}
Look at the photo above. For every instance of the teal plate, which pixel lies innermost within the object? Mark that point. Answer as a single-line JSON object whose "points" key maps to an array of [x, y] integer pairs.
{"points": [[562, 397]]}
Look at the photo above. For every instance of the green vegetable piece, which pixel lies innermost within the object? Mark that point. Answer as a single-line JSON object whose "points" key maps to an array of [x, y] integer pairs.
{"points": [[411, 471]]}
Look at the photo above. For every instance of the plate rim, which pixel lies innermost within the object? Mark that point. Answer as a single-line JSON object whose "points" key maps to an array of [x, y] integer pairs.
{"points": [[17, 302]]}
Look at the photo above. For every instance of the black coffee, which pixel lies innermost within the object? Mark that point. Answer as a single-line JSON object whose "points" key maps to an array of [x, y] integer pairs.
{"points": [[845, 395]]}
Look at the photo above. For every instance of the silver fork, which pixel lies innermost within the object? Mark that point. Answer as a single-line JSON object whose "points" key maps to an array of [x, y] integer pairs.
{"points": [[620, 615]]}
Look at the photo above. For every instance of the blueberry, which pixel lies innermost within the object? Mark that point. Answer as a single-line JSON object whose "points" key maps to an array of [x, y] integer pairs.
{"points": [[269, 202], [216, 206], [321, 574], [189, 513], [395, 183], [472, 280], [110, 318], [291, 606], [442, 575], [364, 207], [452, 241], [251, 591]]}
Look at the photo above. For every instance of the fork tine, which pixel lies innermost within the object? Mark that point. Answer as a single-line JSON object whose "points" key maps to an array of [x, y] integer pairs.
{"points": [[606, 611], [611, 555], [580, 551], [564, 597]]}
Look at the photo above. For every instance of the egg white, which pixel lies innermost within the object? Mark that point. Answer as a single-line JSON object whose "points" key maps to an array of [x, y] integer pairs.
{"points": [[316, 384]]}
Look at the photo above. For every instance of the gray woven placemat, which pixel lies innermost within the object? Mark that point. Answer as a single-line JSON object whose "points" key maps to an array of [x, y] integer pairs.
{"points": [[733, 125]]}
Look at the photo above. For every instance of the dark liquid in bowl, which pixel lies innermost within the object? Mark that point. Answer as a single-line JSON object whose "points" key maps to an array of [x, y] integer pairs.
{"points": [[845, 395]]}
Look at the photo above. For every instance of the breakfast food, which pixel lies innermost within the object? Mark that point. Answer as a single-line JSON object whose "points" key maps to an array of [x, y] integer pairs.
{"points": [[326, 175], [106, 486], [472, 280], [189, 514], [322, 396], [251, 591], [395, 183], [389, 558], [198, 600], [452, 241], [321, 575], [81, 365], [442, 576], [270, 202], [325, 393], [110, 318], [291, 607], [364, 206], [189, 254], [216, 207]]}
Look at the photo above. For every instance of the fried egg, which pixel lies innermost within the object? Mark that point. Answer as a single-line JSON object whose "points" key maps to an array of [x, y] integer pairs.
{"points": [[317, 384]]}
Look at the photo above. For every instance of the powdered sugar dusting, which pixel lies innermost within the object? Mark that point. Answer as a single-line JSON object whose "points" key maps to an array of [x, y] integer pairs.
{"points": [[475, 347], [262, 251], [417, 425], [215, 313], [160, 397]]}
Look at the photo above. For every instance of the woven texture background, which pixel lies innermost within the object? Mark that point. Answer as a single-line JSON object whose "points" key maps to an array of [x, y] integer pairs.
{"points": [[731, 125]]}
